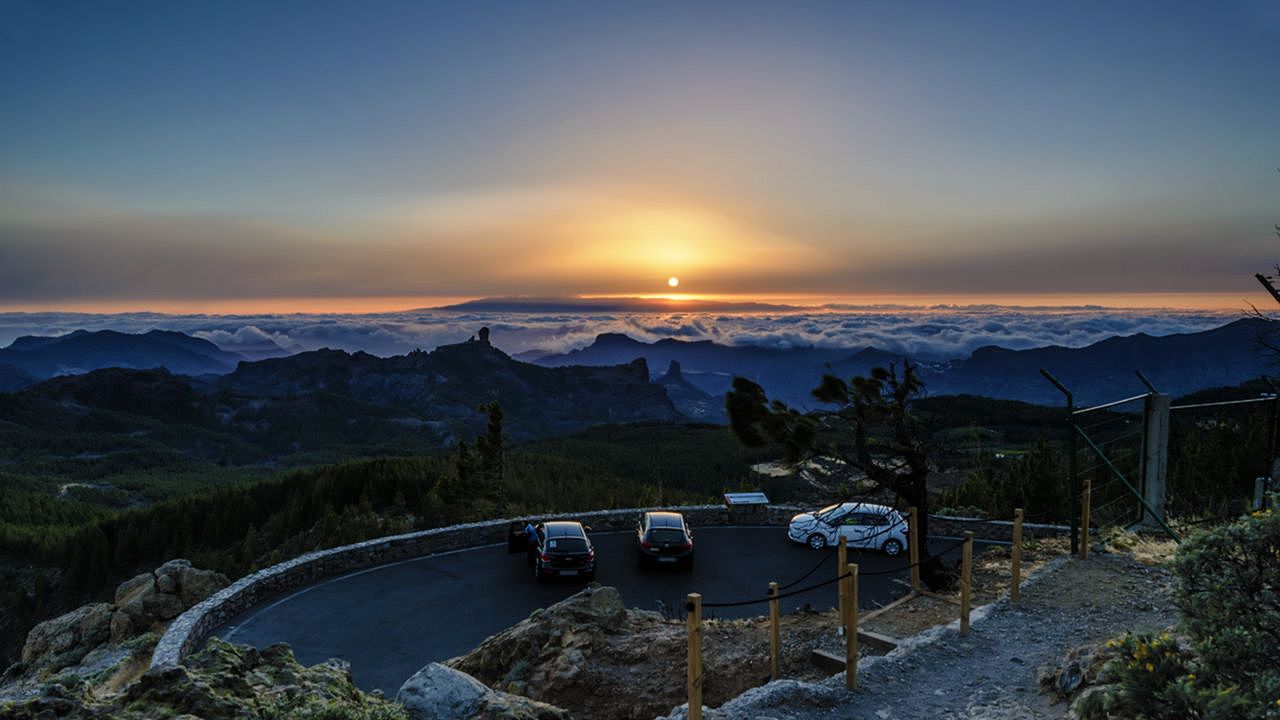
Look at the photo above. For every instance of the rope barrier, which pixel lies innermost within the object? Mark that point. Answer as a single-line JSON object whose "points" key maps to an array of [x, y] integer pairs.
{"points": [[939, 554], [836, 579], [812, 570]]}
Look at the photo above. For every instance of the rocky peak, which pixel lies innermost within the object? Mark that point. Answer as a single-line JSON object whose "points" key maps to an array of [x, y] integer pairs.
{"points": [[673, 374]]}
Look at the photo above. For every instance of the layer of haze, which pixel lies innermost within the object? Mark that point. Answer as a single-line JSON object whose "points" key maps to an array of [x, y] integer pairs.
{"points": [[165, 155]]}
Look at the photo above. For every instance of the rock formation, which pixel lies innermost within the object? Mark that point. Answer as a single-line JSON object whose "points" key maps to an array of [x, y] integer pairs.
{"points": [[437, 692], [592, 656], [221, 681], [84, 641]]}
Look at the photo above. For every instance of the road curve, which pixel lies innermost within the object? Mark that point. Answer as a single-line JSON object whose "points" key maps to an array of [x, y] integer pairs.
{"points": [[389, 621]]}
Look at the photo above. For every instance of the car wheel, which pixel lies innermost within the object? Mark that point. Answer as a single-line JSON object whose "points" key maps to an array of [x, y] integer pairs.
{"points": [[892, 547], [816, 541]]}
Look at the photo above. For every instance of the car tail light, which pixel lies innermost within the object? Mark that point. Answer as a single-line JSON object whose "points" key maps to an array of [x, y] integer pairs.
{"points": [[591, 554], [544, 557], [646, 544], [687, 546]]}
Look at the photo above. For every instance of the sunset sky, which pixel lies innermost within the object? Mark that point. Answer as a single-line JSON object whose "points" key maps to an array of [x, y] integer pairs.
{"points": [[319, 155]]}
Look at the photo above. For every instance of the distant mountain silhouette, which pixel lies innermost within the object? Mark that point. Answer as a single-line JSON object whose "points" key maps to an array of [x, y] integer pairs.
{"points": [[82, 351], [788, 373], [619, 304], [448, 384], [1176, 364]]}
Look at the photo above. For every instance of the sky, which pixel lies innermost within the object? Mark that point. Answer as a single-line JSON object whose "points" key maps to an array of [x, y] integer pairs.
{"points": [[333, 156]]}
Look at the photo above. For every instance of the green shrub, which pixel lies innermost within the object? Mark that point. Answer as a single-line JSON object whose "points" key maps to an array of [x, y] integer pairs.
{"points": [[1227, 666], [1229, 595]]}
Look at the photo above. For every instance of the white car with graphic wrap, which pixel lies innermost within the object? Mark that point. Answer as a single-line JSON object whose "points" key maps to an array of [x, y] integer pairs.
{"points": [[863, 525]]}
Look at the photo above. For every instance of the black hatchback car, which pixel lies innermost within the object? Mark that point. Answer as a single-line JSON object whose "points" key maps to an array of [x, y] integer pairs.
{"points": [[563, 549], [664, 538]]}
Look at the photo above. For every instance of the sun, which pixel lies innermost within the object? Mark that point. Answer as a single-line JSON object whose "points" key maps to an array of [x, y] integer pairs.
{"points": [[673, 281]]}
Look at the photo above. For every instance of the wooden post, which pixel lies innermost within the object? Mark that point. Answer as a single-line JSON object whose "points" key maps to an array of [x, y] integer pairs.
{"points": [[1084, 519], [775, 640], [966, 577], [694, 607], [842, 557], [851, 629], [1015, 570], [913, 543]]}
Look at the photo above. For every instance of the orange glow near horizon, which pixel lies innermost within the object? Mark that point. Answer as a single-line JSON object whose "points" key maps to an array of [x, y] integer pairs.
{"points": [[1220, 302]]}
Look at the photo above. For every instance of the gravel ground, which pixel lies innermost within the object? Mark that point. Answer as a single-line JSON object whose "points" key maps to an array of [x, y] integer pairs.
{"points": [[994, 672]]}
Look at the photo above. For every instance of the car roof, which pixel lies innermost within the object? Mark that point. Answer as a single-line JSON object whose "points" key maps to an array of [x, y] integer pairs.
{"points": [[561, 528], [665, 519], [866, 507]]}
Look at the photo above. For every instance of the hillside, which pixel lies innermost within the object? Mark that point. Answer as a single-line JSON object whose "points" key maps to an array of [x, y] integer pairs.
{"points": [[82, 351], [448, 383]]}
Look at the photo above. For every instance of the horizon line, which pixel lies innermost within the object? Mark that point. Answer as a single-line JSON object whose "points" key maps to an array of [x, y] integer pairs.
{"points": [[682, 302]]}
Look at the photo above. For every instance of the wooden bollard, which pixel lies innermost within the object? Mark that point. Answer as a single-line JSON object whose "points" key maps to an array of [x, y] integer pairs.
{"points": [[851, 628], [966, 577], [1015, 569], [1084, 519], [913, 543], [694, 607], [775, 636], [842, 557]]}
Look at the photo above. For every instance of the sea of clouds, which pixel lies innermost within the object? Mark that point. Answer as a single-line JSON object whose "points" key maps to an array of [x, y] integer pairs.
{"points": [[937, 332]]}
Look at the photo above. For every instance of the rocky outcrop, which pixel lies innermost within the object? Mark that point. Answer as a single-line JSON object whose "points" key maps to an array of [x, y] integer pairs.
{"points": [[437, 692], [80, 641], [66, 639], [221, 681], [157, 597], [597, 659]]}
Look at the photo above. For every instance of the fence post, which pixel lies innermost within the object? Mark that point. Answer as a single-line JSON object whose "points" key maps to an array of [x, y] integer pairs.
{"points": [[913, 540], [1015, 570], [851, 629], [694, 607], [1086, 500], [842, 557], [966, 577], [775, 640], [1155, 458]]}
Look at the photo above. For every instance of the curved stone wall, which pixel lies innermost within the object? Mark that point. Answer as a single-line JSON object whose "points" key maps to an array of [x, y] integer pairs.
{"points": [[189, 630]]}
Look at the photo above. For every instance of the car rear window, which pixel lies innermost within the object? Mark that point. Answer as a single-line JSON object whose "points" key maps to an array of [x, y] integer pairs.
{"points": [[666, 535], [567, 544]]}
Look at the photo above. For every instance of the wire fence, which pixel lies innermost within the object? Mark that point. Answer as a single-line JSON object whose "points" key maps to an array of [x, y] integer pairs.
{"points": [[1111, 459]]}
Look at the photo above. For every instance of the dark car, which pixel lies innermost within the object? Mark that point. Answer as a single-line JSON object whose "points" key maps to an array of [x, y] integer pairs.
{"points": [[563, 549], [664, 538]]}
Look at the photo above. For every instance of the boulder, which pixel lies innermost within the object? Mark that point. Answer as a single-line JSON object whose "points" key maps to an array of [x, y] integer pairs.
{"points": [[66, 639], [129, 589], [437, 692], [191, 584]]}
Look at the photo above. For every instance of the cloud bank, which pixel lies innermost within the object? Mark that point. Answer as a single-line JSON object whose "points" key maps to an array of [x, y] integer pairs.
{"points": [[931, 333]]}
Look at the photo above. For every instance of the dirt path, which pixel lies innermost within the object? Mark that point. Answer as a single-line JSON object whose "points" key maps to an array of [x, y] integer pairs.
{"points": [[993, 673]]}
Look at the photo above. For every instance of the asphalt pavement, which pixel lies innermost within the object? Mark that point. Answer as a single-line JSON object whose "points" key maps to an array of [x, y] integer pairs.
{"points": [[391, 620]]}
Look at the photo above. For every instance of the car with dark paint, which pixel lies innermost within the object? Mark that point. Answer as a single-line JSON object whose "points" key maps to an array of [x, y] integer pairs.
{"points": [[562, 549], [664, 539]]}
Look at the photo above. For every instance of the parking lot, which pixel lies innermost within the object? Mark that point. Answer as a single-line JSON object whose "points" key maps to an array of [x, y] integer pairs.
{"points": [[391, 620]]}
